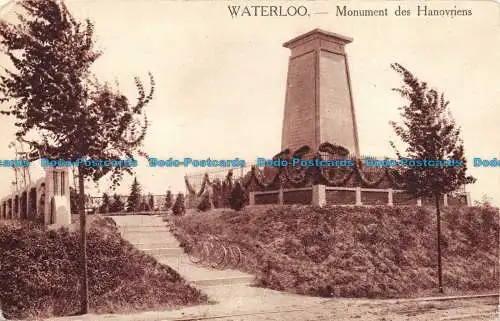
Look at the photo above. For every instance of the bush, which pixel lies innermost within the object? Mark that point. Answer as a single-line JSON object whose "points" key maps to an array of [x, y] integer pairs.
{"points": [[217, 193], [117, 205], [204, 204], [151, 202], [104, 208], [237, 198], [179, 207], [168, 200]]}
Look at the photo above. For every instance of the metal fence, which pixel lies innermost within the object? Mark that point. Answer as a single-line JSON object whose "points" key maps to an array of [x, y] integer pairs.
{"points": [[93, 203]]}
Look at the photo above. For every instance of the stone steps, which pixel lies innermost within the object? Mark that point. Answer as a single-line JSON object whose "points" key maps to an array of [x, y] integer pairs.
{"points": [[151, 235], [205, 275], [160, 253], [145, 246]]}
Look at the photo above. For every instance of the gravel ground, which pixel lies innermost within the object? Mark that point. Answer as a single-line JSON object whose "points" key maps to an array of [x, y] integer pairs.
{"points": [[470, 310]]}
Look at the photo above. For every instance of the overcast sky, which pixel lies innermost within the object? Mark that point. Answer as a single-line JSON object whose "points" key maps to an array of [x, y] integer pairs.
{"points": [[220, 82]]}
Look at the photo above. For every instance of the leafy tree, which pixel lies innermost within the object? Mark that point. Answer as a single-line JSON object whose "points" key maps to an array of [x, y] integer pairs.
{"points": [[117, 205], [61, 110], [237, 197], [485, 201], [104, 208], [134, 199], [430, 133], [168, 200], [179, 206]]}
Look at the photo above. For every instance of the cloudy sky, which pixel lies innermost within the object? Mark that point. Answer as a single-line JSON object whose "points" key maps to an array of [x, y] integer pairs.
{"points": [[220, 81]]}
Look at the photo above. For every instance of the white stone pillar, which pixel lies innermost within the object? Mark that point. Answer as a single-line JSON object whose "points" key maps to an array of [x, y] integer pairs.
{"points": [[390, 197], [445, 200], [251, 198], [280, 196], [468, 199], [419, 201], [358, 196], [49, 193], [319, 195]]}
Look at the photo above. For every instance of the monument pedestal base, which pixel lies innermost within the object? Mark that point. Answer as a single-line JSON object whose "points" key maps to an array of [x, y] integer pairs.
{"points": [[319, 195]]}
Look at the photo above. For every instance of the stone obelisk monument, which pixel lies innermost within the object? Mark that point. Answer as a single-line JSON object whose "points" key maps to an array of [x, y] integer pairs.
{"points": [[319, 106]]}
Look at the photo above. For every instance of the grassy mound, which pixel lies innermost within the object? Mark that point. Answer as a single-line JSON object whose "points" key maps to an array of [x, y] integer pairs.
{"points": [[358, 251], [39, 273]]}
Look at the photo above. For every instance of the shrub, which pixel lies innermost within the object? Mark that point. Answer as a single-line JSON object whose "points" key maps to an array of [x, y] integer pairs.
{"points": [[73, 199], [217, 193], [168, 200], [237, 197], [117, 205], [179, 207], [104, 208], [204, 204]]}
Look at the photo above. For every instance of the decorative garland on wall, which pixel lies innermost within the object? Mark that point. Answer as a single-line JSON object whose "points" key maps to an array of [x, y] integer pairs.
{"points": [[300, 176]]}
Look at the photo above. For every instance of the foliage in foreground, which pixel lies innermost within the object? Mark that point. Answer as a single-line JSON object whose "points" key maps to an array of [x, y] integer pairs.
{"points": [[358, 251], [39, 274]]}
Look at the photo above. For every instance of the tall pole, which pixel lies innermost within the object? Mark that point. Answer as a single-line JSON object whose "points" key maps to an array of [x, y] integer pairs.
{"points": [[26, 170], [16, 182], [84, 293], [438, 218]]}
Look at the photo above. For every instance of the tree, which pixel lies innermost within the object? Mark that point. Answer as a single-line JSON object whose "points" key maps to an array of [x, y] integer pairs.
{"points": [[430, 133], [168, 200], [117, 205], [104, 208], [485, 201], [134, 199], [237, 197], [144, 207], [61, 110], [73, 200], [217, 193], [179, 208], [205, 203]]}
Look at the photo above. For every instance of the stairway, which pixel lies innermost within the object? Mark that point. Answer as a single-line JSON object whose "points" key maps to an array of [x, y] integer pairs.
{"points": [[151, 235]]}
